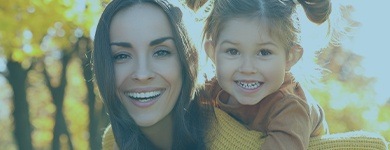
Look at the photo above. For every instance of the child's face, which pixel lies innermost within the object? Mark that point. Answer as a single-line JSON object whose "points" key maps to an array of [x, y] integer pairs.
{"points": [[250, 64]]}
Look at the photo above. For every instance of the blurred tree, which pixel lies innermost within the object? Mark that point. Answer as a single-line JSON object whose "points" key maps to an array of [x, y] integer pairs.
{"points": [[58, 95], [33, 35], [348, 96], [84, 47]]}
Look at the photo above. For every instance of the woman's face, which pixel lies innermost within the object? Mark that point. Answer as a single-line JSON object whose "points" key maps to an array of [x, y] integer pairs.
{"points": [[147, 67]]}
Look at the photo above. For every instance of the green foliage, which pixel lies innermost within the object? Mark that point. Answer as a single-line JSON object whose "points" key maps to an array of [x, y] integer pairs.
{"points": [[349, 106], [32, 29]]}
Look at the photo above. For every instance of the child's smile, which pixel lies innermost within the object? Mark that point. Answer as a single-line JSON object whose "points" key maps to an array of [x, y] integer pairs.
{"points": [[249, 85]]}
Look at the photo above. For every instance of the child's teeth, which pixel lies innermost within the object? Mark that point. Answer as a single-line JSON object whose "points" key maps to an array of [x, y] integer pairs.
{"points": [[252, 85]]}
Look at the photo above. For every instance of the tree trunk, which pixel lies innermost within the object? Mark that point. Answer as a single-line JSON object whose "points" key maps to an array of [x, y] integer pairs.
{"points": [[18, 79], [85, 48], [97, 118], [58, 95]]}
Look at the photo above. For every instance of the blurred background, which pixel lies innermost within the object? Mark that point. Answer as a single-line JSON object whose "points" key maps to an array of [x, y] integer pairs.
{"points": [[48, 99]]}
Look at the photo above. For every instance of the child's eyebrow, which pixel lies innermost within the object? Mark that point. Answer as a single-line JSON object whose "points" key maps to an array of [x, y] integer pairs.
{"points": [[267, 43], [229, 42], [259, 44]]}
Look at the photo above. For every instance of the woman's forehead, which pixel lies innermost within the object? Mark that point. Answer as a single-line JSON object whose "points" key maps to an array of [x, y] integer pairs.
{"points": [[140, 22]]}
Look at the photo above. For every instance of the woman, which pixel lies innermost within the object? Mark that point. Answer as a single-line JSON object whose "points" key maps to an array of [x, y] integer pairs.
{"points": [[145, 68]]}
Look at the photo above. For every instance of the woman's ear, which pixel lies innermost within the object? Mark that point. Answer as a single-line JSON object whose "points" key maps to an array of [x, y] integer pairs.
{"points": [[294, 56], [210, 50]]}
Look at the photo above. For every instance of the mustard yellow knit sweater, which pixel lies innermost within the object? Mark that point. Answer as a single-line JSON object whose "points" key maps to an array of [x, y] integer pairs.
{"points": [[228, 134]]}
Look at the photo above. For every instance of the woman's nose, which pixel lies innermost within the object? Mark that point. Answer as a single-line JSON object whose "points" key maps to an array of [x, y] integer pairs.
{"points": [[143, 71]]}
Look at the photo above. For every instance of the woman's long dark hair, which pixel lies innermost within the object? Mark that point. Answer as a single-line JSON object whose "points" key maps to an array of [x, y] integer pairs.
{"points": [[189, 116]]}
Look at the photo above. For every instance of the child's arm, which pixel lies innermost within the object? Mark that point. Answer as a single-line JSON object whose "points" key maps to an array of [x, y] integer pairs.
{"points": [[289, 125]]}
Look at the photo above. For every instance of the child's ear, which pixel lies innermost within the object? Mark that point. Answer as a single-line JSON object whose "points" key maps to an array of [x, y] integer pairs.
{"points": [[210, 50], [294, 56]]}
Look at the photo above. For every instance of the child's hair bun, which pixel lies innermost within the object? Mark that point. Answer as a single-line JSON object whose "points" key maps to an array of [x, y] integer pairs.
{"points": [[317, 11]]}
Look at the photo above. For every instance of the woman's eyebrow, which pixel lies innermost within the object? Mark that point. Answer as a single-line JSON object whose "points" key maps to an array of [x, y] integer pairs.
{"points": [[160, 40], [152, 43], [121, 44]]}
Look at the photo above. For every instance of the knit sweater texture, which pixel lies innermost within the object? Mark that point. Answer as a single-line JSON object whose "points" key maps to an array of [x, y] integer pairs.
{"points": [[228, 134]]}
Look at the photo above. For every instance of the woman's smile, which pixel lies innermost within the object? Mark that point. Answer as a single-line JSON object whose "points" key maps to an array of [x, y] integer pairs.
{"points": [[145, 98]]}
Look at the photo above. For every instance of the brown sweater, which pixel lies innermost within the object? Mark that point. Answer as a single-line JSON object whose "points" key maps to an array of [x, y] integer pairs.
{"points": [[286, 117]]}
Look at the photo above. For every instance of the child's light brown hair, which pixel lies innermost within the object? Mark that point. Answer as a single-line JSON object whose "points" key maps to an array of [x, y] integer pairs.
{"points": [[278, 15]]}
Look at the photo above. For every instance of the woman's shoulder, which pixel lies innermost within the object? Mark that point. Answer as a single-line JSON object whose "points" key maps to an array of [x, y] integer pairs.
{"points": [[108, 139]]}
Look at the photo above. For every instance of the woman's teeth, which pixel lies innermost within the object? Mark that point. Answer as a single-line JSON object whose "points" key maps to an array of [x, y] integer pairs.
{"points": [[246, 85], [144, 96]]}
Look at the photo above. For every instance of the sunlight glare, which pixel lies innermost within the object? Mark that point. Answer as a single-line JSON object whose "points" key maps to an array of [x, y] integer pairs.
{"points": [[3, 65], [339, 99], [371, 42], [371, 114]]}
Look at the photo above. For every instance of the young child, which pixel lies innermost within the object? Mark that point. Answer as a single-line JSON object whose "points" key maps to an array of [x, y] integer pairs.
{"points": [[254, 44]]}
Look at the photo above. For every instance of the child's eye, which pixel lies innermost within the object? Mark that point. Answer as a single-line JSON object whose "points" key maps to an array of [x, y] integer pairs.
{"points": [[232, 51], [121, 57], [161, 53], [265, 52]]}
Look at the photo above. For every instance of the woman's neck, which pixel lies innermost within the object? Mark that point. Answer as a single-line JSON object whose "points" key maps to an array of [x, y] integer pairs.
{"points": [[161, 133]]}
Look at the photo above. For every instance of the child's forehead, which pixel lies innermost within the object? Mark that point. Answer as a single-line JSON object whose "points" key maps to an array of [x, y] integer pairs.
{"points": [[254, 25], [234, 28], [237, 24]]}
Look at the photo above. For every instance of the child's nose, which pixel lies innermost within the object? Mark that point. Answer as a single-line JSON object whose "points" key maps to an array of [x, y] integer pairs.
{"points": [[247, 66]]}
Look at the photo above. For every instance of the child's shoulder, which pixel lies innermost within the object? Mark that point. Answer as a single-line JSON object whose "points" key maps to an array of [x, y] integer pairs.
{"points": [[291, 96], [212, 87]]}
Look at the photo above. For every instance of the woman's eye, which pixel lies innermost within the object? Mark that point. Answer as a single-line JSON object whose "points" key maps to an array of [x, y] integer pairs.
{"points": [[265, 52], [121, 57], [161, 53], [232, 51]]}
